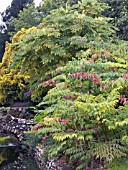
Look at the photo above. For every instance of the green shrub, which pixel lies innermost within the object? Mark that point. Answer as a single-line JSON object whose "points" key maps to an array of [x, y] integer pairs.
{"points": [[87, 107]]}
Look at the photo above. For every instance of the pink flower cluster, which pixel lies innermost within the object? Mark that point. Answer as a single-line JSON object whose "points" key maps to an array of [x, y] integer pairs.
{"points": [[37, 127], [65, 121], [125, 75], [48, 83], [70, 97], [86, 76], [122, 99], [58, 70], [103, 87], [52, 29]]}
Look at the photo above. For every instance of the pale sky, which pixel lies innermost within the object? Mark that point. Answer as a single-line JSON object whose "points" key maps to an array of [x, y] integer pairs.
{"points": [[5, 3]]}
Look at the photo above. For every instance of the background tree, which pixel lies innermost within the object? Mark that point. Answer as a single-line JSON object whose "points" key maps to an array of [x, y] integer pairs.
{"points": [[11, 11], [3, 39], [32, 16], [14, 9], [119, 11], [48, 5], [28, 17]]}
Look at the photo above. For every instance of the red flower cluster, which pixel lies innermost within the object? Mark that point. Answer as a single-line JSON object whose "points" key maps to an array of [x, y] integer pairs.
{"points": [[65, 121], [48, 83], [95, 79], [37, 127], [70, 97], [103, 87], [85, 76], [125, 75], [122, 99], [44, 138]]}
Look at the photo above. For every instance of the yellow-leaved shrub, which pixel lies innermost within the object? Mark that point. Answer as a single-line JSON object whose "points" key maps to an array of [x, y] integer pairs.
{"points": [[13, 83]]}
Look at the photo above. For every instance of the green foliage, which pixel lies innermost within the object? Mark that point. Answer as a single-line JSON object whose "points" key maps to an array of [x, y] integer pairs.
{"points": [[27, 18], [63, 35], [87, 106], [48, 5], [73, 60], [31, 140]]}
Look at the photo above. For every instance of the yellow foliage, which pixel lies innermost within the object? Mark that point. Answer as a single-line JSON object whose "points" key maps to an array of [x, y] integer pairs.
{"points": [[50, 120], [23, 31], [12, 82]]}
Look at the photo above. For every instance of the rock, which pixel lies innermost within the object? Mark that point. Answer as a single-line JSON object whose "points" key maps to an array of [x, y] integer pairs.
{"points": [[15, 125], [49, 164], [8, 118], [15, 120]]}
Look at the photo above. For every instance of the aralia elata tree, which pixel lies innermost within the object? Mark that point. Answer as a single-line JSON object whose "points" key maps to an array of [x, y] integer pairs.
{"points": [[73, 56]]}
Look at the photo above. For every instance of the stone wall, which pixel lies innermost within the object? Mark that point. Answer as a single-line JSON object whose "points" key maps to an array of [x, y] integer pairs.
{"points": [[12, 122]]}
